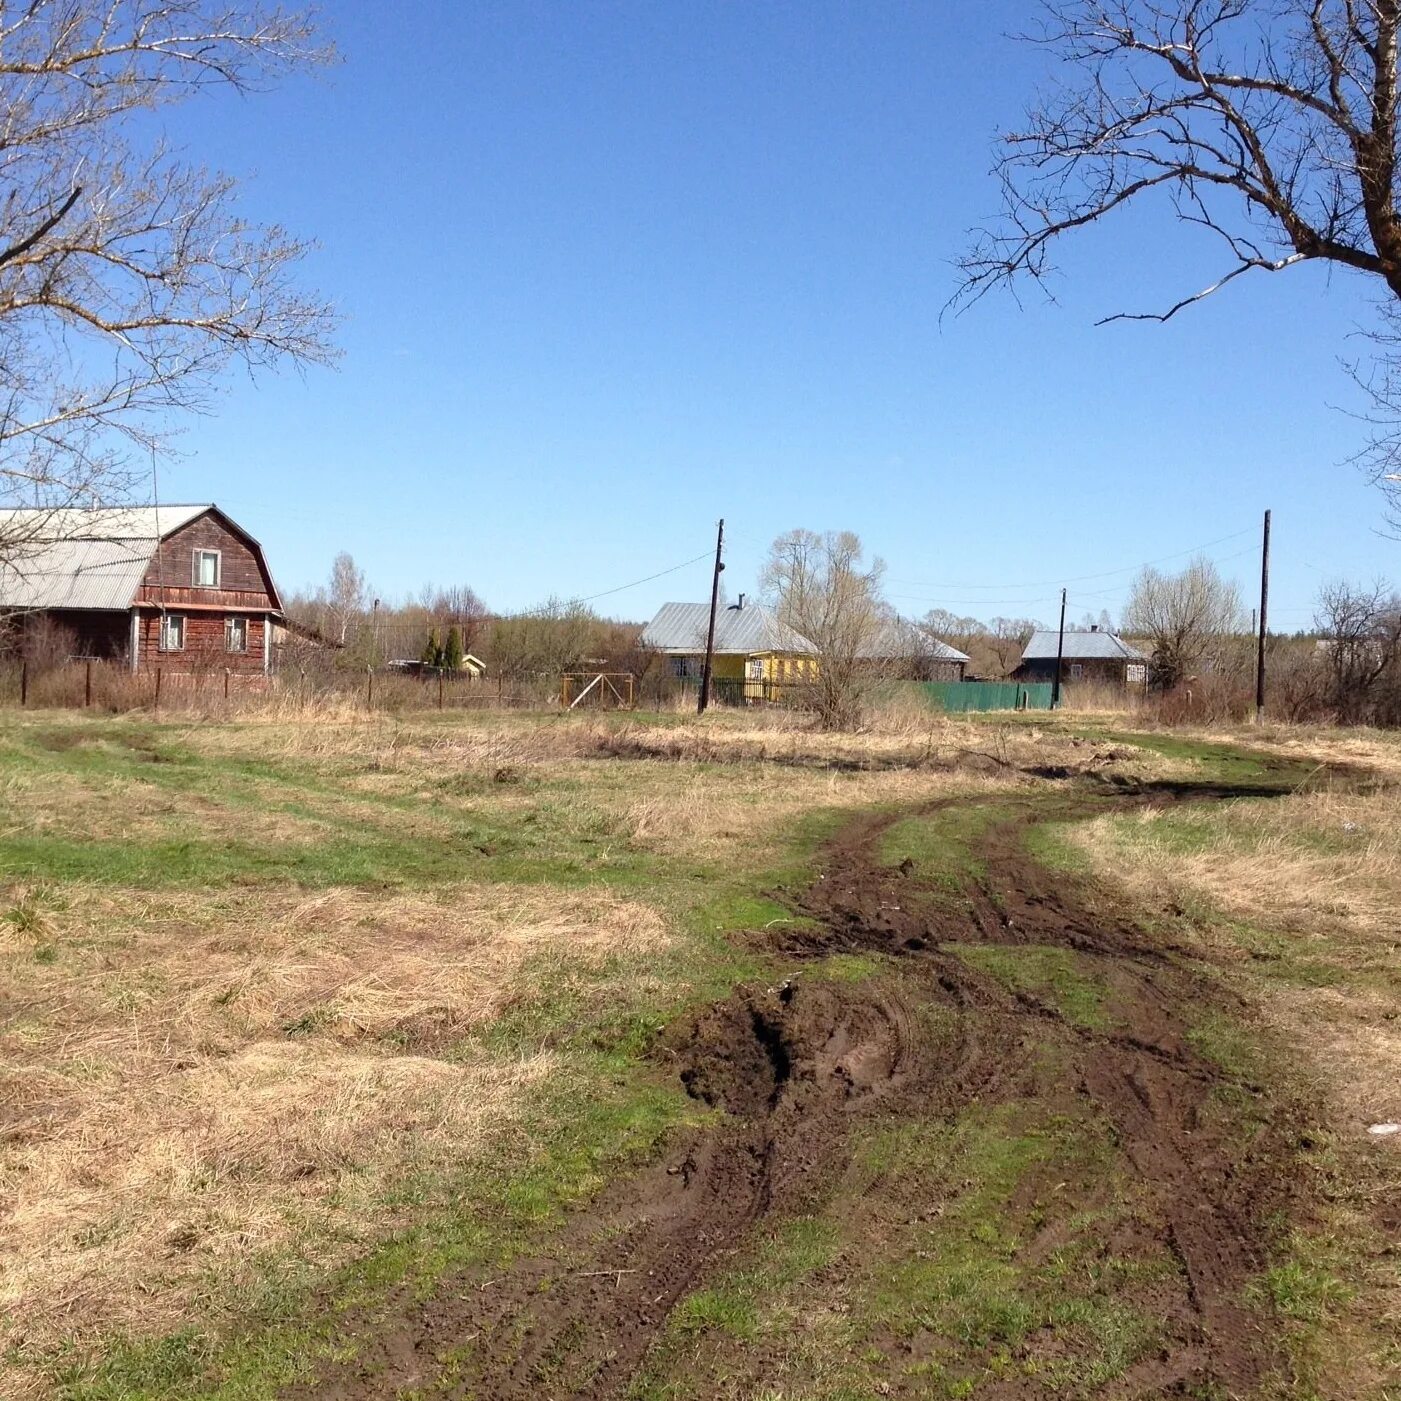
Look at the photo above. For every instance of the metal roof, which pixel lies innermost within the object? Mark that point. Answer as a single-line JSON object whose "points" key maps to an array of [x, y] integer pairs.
{"points": [[899, 640], [80, 557], [1080, 647], [681, 627]]}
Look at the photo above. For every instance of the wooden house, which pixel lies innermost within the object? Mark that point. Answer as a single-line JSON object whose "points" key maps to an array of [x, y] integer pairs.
{"points": [[184, 588], [900, 650], [756, 656], [1089, 655]]}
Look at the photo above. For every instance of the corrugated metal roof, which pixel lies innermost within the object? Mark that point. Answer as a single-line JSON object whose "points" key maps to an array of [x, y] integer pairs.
{"points": [[681, 627], [898, 640], [82, 558], [1080, 647]]}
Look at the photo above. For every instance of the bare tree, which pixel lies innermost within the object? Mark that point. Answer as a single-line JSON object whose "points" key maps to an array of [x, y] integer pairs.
{"points": [[1271, 125], [1361, 631], [345, 600], [128, 280], [820, 588], [558, 636], [1192, 620], [457, 606], [1006, 640]]}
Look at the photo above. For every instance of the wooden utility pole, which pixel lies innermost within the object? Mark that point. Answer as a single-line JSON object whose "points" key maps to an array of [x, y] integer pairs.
{"points": [[704, 698], [1060, 656], [1264, 624]]}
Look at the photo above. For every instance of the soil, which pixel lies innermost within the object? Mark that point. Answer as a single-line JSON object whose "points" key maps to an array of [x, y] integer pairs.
{"points": [[797, 1071]]}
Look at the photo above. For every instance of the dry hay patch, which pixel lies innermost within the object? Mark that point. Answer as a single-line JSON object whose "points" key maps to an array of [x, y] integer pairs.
{"points": [[111, 808], [1322, 872], [1322, 862], [712, 816], [194, 1084]]}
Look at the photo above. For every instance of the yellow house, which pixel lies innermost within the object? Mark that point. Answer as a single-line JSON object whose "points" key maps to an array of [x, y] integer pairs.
{"points": [[756, 657]]}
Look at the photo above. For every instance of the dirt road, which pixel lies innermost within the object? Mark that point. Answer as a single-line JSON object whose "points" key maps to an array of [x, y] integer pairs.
{"points": [[805, 1069]]}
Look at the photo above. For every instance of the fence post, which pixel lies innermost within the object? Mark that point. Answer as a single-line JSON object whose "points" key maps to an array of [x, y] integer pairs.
{"points": [[157, 705], [226, 684], [23, 684], [370, 688], [87, 684], [440, 690]]}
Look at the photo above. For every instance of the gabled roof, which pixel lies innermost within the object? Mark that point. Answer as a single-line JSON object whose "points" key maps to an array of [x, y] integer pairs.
{"points": [[1080, 647], [899, 640], [681, 627], [92, 558]]}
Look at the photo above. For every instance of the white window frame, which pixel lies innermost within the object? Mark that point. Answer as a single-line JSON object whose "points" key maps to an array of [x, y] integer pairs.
{"points": [[166, 620], [1076, 671], [229, 631], [198, 556]]}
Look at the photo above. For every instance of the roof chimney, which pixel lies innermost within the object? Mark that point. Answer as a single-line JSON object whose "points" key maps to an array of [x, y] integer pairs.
{"points": [[740, 604], [1094, 627]]}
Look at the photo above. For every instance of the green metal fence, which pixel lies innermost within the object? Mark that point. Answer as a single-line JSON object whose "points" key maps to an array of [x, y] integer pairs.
{"points": [[988, 695]]}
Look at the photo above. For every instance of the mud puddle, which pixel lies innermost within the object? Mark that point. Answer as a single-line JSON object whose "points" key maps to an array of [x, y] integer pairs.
{"points": [[792, 1070]]}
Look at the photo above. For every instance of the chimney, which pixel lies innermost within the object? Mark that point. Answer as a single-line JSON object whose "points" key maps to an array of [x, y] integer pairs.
{"points": [[1094, 627], [740, 604]]}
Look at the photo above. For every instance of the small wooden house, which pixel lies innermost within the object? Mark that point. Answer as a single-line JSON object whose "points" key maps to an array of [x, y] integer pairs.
{"points": [[1089, 655], [756, 656], [180, 587], [898, 649]]}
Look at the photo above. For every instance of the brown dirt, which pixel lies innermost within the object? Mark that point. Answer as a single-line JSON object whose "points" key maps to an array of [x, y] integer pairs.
{"points": [[793, 1068]]}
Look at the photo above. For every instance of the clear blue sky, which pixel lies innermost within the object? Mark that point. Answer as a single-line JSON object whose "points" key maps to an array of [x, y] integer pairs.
{"points": [[610, 271]]}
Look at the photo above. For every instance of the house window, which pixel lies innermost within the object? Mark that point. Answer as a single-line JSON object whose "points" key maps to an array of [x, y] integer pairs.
{"points": [[755, 667], [236, 634], [1076, 671], [685, 667], [1136, 674], [172, 633], [206, 570]]}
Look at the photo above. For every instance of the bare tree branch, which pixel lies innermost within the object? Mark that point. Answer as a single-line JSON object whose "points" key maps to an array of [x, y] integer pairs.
{"points": [[1274, 122], [129, 282]]}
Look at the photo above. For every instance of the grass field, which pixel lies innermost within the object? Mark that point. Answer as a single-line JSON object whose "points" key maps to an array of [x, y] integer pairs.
{"points": [[304, 1019]]}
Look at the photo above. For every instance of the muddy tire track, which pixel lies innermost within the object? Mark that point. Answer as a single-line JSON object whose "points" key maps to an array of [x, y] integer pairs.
{"points": [[792, 1069]]}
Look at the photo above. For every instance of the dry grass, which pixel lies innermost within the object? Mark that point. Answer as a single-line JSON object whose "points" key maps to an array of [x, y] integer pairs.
{"points": [[188, 1087], [1311, 884], [1296, 899]]}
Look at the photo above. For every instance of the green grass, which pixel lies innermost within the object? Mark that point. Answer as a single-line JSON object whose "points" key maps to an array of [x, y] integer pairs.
{"points": [[854, 1302], [963, 1278], [1059, 977], [1307, 1290], [940, 844], [1049, 845]]}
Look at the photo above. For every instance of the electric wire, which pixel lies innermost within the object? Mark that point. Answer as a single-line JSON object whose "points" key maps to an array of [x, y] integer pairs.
{"points": [[661, 573]]}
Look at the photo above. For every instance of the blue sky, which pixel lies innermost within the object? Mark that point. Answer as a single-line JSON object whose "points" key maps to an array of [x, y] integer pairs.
{"points": [[611, 271]]}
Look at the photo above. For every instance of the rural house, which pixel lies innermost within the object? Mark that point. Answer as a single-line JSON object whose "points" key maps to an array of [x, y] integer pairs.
{"points": [[181, 587], [755, 654], [1091, 655], [899, 648]]}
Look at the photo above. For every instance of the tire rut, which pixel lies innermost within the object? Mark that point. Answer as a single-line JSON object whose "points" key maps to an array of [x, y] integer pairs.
{"points": [[793, 1068]]}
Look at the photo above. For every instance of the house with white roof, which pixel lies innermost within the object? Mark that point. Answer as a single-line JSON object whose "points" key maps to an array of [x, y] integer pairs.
{"points": [[181, 587]]}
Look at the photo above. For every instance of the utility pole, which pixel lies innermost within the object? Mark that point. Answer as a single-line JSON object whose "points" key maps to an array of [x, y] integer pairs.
{"points": [[1264, 624], [1060, 656], [704, 699]]}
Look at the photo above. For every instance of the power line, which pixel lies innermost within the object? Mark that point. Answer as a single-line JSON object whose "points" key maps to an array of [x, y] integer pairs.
{"points": [[1106, 574], [661, 573], [1092, 594]]}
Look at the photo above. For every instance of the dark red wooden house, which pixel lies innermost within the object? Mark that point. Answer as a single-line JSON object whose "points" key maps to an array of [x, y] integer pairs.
{"points": [[185, 588]]}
